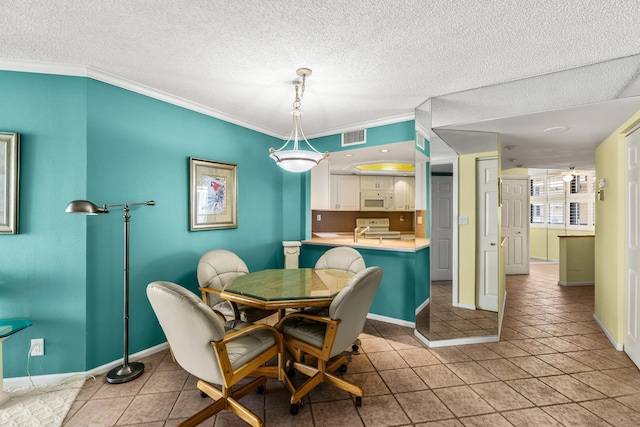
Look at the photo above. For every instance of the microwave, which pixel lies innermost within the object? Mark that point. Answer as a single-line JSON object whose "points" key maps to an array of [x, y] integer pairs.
{"points": [[376, 201]]}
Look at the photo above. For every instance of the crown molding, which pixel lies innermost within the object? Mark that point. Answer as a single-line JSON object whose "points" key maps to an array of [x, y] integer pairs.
{"points": [[130, 85], [105, 77], [43, 67]]}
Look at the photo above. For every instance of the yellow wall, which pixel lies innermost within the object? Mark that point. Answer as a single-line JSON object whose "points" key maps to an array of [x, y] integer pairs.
{"points": [[610, 244], [467, 233], [544, 243]]}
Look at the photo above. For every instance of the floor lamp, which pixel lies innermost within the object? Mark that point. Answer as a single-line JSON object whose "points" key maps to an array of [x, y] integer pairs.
{"points": [[127, 371]]}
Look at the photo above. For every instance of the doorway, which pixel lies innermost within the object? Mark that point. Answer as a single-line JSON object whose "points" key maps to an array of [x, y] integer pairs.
{"points": [[632, 314], [515, 223]]}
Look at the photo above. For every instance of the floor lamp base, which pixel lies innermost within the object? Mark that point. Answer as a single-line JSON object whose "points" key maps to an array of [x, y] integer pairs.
{"points": [[125, 373]]}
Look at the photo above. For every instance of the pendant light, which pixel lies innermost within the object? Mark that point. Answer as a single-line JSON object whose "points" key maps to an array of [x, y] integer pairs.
{"points": [[295, 159]]}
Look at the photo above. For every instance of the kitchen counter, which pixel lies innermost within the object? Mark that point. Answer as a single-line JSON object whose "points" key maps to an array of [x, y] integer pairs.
{"points": [[346, 239]]}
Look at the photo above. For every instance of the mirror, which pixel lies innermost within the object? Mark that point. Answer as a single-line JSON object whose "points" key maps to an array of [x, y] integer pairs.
{"points": [[551, 121], [461, 309]]}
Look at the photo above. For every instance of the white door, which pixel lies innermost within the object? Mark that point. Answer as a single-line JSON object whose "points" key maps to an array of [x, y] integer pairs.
{"points": [[441, 227], [632, 318], [487, 229], [515, 224]]}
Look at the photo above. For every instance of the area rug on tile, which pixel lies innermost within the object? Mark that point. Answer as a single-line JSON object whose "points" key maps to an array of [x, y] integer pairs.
{"points": [[40, 406]]}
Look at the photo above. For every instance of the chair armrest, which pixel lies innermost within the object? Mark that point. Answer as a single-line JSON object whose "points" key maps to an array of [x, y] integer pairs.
{"points": [[220, 348], [321, 319], [244, 331], [329, 336]]}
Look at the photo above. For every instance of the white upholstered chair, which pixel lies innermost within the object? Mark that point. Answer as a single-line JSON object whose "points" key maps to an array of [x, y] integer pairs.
{"points": [[216, 269], [341, 258], [325, 338], [214, 352]]}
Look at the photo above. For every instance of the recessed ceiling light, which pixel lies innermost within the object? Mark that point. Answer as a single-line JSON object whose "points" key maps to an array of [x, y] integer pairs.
{"points": [[556, 129], [510, 147], [389, 167], [385, 150], [348, 155]]}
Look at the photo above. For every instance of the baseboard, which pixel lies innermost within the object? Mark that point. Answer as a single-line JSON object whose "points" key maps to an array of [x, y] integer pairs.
{"points": [[392, 320], [21, 382], [591, 283], [617, 346], [456, 341], [467, 306], [422, 306]]}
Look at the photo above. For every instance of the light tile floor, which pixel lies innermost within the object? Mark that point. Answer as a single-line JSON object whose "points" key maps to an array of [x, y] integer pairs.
{"points": [[553, 367], [439, 320]]}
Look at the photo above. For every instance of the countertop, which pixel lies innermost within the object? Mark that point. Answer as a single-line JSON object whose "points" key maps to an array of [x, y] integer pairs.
{"points": [[346, 239]]}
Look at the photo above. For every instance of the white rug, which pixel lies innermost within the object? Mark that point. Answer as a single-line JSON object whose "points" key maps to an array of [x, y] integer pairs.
{"points": [[40, 406]]}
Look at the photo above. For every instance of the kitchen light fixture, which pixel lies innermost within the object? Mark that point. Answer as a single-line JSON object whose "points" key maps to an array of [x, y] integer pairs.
{"points": [[127, 371], [296, 160], [556, 129]]}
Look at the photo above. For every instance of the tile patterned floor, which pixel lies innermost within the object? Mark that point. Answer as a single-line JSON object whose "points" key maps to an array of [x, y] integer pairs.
{"points": [[553, 367], [439, 320]]}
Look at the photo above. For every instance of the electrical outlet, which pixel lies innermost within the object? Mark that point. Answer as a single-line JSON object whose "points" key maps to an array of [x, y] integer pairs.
{"points": [[318, 217], [37, 347]]}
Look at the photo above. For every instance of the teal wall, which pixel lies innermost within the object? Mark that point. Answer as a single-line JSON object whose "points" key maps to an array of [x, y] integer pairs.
{"points": [[83, 139], [378, 135], [43, 269], [396, 296]]}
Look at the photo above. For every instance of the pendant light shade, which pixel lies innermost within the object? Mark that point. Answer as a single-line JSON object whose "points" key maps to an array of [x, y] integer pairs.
{"points": [[295, 159]]}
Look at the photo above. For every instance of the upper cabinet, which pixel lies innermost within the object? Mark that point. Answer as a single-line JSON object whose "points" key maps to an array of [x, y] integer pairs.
{"points": [[404, 193], [383, 183], [345, 193]]}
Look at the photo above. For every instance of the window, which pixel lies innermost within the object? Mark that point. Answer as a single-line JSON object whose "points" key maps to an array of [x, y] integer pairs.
{"points": [[556, 203], [537, 213]]}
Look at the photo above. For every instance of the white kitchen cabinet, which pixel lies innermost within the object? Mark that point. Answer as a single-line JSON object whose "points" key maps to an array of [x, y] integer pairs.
{"points": [[404, 193], [369, 182], [345, 193], [320, 187]]}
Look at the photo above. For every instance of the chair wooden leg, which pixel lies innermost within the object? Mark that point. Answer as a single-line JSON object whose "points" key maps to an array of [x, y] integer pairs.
{"points": [[248, 388], [334, 364], [342, 384], [244, 413], [229, 400], [205, 413], [305, 388]]}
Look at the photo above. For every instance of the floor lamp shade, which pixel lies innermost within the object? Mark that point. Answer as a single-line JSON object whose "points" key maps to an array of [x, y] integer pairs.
{"points": [[128, 370]]}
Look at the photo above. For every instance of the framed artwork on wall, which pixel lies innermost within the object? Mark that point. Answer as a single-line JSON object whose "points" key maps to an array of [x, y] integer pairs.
{"points": [[9, 182], [213, 195]]}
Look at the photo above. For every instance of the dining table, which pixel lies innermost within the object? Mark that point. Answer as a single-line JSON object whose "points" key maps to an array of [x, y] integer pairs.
{"points": [[281, 289]]}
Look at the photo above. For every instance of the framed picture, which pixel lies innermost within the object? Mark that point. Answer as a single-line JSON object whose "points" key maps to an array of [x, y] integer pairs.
{"points": [[213, 194], [9, 178]]}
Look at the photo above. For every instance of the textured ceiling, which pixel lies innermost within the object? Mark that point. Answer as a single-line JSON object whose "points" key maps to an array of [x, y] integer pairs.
{"points": [[371, 60]]}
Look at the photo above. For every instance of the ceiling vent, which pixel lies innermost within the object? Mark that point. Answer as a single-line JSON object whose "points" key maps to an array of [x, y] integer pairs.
{"points": [[355, 137]]}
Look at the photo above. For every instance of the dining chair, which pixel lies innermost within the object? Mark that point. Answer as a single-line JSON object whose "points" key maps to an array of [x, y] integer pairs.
{"points": [[339, 258], [216, 269], [326, 338], [212, 351]]}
